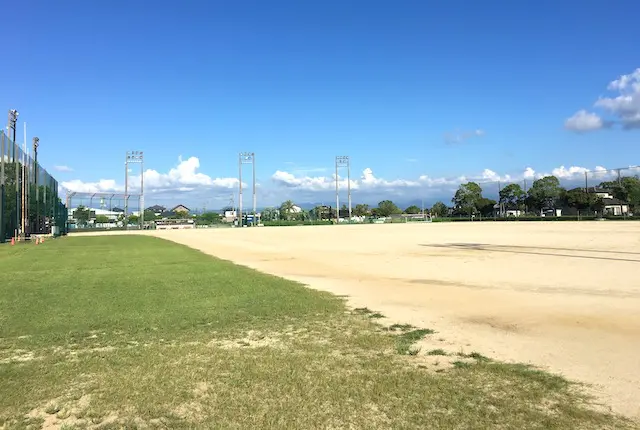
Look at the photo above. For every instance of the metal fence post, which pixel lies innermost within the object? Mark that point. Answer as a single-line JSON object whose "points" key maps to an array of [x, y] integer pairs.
{"points": [[3, 226]]}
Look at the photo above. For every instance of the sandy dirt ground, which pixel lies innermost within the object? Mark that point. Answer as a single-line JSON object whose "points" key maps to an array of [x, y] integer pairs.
{"points": [[561, 295]]}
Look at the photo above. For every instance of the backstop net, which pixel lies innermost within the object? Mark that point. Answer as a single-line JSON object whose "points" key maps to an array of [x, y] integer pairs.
{"points": [[29, 200], [104, 210]]}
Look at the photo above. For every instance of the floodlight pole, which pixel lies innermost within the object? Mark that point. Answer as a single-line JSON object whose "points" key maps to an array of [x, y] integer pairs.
{"points": [[2, 156], [337, 196], [239, 214], [13, 118], [255, 210], [25, 160], [136, 157], [246, 158], [36, 144], [343, 161]]}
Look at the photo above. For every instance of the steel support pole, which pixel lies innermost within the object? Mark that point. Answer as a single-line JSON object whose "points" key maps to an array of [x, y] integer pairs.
{"points": [[36, 144], [349, 186], [13, 118], [3, 232], [337, 196], [239, 214], [255, 210], [141, 200], [126, 193], [586, 182]]}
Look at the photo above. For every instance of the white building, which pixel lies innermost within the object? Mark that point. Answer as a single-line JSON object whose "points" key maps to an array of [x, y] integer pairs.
{"points": [[612, 206]]}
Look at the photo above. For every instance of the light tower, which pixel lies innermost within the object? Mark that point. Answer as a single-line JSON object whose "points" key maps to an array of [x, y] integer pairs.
{"points": [[246, 158], [135, 157], [13, 118], [342, 161]]}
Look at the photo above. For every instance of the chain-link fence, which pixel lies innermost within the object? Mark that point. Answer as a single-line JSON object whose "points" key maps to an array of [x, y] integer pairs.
{"points": [[29, 201], [104, 211]]}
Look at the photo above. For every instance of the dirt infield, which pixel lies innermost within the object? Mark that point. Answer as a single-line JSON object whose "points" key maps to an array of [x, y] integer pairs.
{"points": [[561, 295]]}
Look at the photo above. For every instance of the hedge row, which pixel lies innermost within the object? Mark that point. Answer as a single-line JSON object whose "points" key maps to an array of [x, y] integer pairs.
{"points": [[282, 223]]}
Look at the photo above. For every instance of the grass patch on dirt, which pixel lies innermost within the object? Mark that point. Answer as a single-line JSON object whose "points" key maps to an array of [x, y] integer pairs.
{"points": [[136, 332]]}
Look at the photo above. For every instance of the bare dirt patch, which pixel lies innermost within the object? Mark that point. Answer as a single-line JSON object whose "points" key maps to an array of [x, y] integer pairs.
{"points": [[563, 296]]}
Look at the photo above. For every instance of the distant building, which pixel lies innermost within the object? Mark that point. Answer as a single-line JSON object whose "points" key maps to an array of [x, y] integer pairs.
{"points": [[506, 211], [612, 206], [229, 216], [157, 210], [180, 208]]}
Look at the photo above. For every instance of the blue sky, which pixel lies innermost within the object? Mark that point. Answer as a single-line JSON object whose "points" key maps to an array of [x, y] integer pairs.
{"points": [[419, 94]]}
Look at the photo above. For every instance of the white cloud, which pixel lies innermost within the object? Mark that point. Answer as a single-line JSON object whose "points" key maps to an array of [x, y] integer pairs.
{"points": [[369, 185], [63, 168], [573, 171], [528, 173], [583, 121], [182, 178], [624, 107], [187, 185], [367, 181], [101, 186], [462, 136]]}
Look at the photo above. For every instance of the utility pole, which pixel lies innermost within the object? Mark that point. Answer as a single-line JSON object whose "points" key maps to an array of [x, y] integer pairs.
{"points": [[586, 182], [342, 161], [499, 199], [526, 208]]}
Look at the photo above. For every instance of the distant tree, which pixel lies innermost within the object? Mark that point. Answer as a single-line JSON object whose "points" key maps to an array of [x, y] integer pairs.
{"points": [[545, 192], [439, 209], [512, 196], [149, 215], [467, 198], [597, 205], [134, 219], [486, 206], [181, 214], [303, 215], [287, 210], [82, 215], [318, 213], [361, 210], [208, 218], [387, 207], [344, 211], [579, 199], [102, 219], [269, 214], [412, 210]]}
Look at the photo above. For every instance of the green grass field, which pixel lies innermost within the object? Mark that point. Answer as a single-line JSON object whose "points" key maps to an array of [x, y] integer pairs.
{"points": [[136, 332]]}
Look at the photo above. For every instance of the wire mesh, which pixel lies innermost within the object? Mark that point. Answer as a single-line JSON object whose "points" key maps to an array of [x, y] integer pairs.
{"points": [[29, 200], [102, 210]]}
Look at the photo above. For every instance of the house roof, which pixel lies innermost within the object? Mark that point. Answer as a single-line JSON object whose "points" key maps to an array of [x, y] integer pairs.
{"points": [[156, 208], [180, 206], [613, 202]]}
